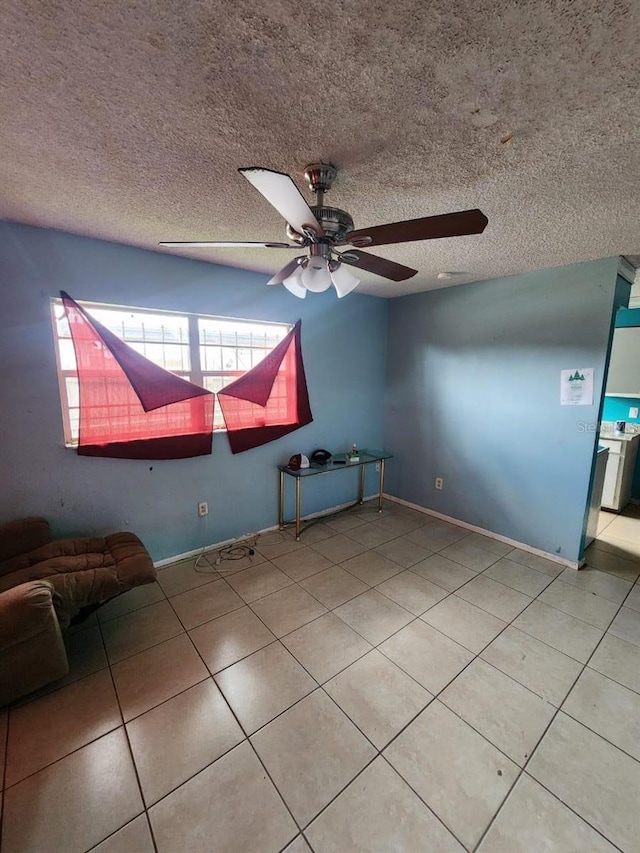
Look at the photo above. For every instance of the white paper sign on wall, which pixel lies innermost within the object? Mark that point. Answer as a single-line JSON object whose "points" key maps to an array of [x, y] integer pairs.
{"points": [[576, 386]]}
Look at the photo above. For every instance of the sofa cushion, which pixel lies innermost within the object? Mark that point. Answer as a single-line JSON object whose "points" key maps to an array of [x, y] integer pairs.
{"points": [[83, 571], [21, 536]]}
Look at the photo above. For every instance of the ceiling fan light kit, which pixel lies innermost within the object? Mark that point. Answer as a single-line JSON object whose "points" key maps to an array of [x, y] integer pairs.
{"points": [[315, 275], [294, 285], [321, 230], [343, 281]]}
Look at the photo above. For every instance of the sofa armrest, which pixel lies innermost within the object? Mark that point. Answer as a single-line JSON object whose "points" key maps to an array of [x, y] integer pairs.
{"points": [[32, 651], [21, 536], [25, 611]]}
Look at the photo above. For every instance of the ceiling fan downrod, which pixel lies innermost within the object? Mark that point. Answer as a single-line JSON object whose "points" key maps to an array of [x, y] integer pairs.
{"points": [[320, 176], [335, 223]]}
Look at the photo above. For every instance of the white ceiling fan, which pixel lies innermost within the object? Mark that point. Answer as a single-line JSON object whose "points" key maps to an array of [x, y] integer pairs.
{"points": [[321, 230]]}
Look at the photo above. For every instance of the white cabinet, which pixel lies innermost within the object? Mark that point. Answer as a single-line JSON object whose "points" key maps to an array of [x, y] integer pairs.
{"points": [[619, 473]]}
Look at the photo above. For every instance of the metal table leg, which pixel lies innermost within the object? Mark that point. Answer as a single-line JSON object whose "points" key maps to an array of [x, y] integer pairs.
{"points": [[361, 488], [281, 502], [381, 486], [298, 508]]}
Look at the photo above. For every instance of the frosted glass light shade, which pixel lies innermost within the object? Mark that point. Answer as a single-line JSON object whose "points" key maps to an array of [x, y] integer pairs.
{"points": [[316, 276], [293, 284], [344, 281]]}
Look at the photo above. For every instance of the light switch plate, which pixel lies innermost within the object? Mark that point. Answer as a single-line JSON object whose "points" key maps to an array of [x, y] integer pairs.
{"points": [[633, 412]]}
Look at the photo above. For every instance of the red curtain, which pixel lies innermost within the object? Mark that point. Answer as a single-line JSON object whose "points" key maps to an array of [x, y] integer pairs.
{"points": [[270, 400], [129, 407]]}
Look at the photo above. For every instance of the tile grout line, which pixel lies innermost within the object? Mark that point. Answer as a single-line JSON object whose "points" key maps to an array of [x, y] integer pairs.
{"points": [[544, 733], [422, 800], [88, 743], [378, 752], [613, 680], [124, 825], [247, 738], [566, 805], [341, 565], [321, 686], [249, 604], [131, 754], [102, 669], [374, 646], [521, 768]]}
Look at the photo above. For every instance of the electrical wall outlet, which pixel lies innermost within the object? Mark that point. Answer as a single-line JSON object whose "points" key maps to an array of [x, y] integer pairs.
{"points": [[439, 483], [633, 412], [203, 508]]}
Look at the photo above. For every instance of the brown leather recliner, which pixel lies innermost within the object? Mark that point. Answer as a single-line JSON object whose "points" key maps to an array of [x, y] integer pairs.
{"points": [[45, 585]]}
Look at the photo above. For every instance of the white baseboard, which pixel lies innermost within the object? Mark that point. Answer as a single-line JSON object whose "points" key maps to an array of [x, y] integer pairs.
{"points": [[167, 561], [571, 564]]}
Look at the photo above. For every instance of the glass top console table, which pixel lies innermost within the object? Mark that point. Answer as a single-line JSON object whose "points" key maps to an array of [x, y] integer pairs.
{"points": [[366, 457]]}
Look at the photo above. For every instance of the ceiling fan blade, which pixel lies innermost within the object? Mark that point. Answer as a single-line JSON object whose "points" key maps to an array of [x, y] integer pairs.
{"points": [[280, 191], [427, 228], [225, 244], [287, 271], [379, 266]]}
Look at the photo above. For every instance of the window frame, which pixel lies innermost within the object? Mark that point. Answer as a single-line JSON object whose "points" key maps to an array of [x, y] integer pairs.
{"points": [[196, 374]]}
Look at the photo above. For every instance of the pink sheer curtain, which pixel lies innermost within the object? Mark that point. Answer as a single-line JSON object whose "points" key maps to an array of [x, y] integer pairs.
{"points": [[129, 407], [270, 400]]}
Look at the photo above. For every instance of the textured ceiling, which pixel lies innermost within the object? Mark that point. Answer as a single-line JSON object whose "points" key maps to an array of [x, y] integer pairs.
{"points": [[126, 120]]}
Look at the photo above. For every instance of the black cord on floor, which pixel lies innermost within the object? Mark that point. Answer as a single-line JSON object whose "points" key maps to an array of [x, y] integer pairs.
{"points": [[237, 551], [240, 550]]}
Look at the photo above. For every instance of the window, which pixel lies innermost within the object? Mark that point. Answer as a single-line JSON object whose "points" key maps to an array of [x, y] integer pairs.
{"points": [[209, 351], [228, 348]]}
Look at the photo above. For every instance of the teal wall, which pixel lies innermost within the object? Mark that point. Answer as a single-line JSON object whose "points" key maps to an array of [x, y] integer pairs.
{"points": [[344, 348], [617, 409], [628, 317], [473, 396]]}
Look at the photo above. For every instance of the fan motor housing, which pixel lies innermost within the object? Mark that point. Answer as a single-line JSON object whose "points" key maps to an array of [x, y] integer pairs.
{"points": [[335, 222]]}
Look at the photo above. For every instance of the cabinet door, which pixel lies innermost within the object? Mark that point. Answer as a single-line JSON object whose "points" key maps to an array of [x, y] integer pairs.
{"points": [[610, 494], [628, 469], [624, 369]]}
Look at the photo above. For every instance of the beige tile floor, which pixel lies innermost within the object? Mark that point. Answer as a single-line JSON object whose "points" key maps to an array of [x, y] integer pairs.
{"points": [[390, 683]]}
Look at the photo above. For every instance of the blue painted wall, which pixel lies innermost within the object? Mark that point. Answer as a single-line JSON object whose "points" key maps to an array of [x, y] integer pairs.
{"points": [[473, 396], [617, 408], [344, 348]]}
